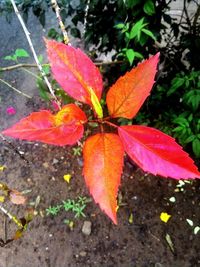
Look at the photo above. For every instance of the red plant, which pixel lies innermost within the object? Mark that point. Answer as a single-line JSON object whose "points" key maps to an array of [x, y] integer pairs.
{"points": [[154, 151]]}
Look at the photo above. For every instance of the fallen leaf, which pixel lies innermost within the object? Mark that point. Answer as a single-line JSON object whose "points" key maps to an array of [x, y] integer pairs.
{"points": [[169, 242], [190, 222], [196, 230], [16, 197]]}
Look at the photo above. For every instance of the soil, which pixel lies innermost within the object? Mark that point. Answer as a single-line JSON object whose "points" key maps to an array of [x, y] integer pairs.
{"points": [[48, 241]]}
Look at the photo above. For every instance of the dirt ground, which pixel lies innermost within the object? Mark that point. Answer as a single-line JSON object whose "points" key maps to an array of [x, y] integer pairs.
{"points": [[48, 241]]}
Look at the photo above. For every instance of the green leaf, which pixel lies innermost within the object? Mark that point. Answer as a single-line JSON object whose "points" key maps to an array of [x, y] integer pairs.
{"points": [[40, 58], [119, 26], [136, 29], [196, 147], [130, 54], [149, 7], [43, 90], [11, 57], [46, 69], [132, 3], [190, 139], [149, 33], [176, 83], [21, 53], [138, 55]]}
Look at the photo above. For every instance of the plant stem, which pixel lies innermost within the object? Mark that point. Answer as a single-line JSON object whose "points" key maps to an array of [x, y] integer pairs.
{"points": [[110, 123], [15, 89], [13, 67], [31, 73], [62, 26], [27, 34], [24, 65]]}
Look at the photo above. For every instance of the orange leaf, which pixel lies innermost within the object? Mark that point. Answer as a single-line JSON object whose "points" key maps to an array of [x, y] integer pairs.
{"points": [[74, 71], [64, 128], [103, 163], [127, 95]]}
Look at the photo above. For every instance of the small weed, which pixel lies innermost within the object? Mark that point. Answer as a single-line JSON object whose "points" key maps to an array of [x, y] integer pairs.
{"points": [[77, 151], [76, 206], [53, 210]]}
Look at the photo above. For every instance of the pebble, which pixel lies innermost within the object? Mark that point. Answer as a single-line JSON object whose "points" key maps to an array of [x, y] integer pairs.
{"points": [[55, 161], [80, 162], [83, 253], [45, 165], [87, 228]]}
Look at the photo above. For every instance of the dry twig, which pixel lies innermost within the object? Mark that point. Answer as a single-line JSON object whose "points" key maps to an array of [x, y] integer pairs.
{"points": [[62, 26]]}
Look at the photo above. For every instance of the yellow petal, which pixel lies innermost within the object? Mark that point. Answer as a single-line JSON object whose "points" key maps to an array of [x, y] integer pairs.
{"points": [[2, 168], [164, 216], [67, 177], [2, 199]]}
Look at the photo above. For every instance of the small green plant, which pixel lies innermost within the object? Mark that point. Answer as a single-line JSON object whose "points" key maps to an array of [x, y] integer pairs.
{"points": [[134, 34], [19, 53], [77, 151], [76, 206], [182, 102], [53, 210]]}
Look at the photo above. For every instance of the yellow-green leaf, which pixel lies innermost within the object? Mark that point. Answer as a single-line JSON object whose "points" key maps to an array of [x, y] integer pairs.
{"points": [[96, 104]]}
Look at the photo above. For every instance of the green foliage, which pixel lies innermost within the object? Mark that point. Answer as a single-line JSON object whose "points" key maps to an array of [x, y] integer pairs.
{"points": [[76, 206], [19, 53], [136, 34], [182, 101], [53, 210]]}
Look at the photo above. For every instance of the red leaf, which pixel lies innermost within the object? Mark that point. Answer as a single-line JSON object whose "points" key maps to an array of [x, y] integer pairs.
{"points": [[127, 95], [157, 153], [64, 128], [74, 71], [103, 163]]}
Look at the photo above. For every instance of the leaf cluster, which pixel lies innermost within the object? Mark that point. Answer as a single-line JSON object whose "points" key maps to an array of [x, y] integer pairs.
{"points": [[103, 152]]}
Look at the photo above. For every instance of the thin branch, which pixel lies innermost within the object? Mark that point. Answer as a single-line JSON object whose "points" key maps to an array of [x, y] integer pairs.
{"points": [[62, 26], [86, 17], [197, 14], [13, 67], [15, 89], [186, 13], [27, 34], [10, 216], [23, 65], [109, 63]]}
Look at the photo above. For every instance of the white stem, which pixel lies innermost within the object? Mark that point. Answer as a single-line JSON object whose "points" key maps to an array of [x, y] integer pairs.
{"points": [[6, 212], [33, 50]]}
